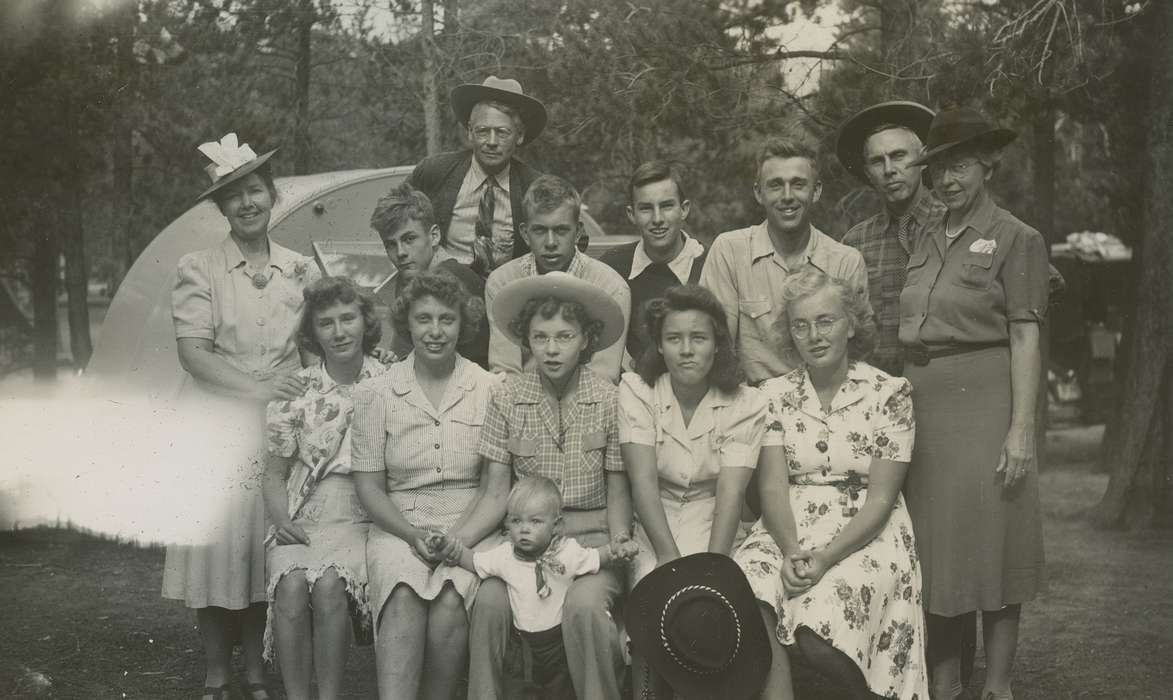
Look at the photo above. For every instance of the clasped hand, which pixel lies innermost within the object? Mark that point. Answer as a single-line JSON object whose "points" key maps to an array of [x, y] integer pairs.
{"points": [[435, 547], [802, 570]]}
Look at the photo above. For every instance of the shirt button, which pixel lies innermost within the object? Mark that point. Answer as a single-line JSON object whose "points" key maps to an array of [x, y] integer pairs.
{"points": [[437, 445], [558, 481], [437, 424], [437, 468], [260, 321]]}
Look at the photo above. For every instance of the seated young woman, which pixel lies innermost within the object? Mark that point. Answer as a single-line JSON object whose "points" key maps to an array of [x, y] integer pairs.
{"points": [[690, 432], [316, 556], [832, 561]]}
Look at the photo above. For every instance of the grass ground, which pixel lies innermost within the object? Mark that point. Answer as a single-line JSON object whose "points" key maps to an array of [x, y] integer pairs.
{"points": [[82, 617]]}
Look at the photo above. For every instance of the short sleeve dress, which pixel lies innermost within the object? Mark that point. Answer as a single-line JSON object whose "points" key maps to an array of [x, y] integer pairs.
{"points": [[429, 456], [725, 432], [869, 604], [253, 327], [981, 545], [315, 429]]}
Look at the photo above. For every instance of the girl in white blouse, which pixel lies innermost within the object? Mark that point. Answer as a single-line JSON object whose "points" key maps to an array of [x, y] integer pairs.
{"points": [[690, 433]]}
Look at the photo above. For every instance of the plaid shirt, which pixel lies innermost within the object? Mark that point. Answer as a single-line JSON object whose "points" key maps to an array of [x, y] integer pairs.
{"points": [[886, 257], [522, 430]]}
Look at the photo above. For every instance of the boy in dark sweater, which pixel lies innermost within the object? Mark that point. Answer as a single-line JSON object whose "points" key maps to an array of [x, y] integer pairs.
{"points": [[665, 255]]}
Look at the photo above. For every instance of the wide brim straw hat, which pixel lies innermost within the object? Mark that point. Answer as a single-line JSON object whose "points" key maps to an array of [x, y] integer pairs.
{"points": [[505, 90], [963, 127], [856, 130], [231, 161], [565, 287], [695, 620]]}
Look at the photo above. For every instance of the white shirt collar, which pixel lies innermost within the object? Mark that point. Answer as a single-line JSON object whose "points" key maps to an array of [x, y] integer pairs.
{"points": [[681, 265], [477, 175]]}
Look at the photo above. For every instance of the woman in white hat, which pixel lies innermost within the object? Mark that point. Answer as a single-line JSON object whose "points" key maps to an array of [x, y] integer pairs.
{"points": [[236, 309], [559, 421]]}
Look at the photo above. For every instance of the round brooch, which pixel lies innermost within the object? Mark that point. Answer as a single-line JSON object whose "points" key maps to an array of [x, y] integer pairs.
{"points": [[260, 280]]}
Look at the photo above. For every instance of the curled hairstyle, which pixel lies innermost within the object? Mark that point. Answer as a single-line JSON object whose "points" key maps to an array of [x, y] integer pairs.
{"points": [[529, 489], [547, 194], [726, 372], [656, 171], [263, 171], [402, 204], [446, 289], [326, 292], [548, 307], [810, 281], [786, 147]]}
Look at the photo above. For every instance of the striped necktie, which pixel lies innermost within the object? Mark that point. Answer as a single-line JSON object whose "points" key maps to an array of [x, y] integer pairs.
{"points": [[903, 226], [483, 246]]}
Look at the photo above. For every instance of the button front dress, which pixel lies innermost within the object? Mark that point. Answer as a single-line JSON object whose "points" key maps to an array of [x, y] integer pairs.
{"points": [[725, 432], [253, 327], [867, 606]]}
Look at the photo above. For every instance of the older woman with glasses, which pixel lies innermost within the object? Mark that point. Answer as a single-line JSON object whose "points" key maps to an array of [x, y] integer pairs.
{"points": [[970, 317], [833, 561]]}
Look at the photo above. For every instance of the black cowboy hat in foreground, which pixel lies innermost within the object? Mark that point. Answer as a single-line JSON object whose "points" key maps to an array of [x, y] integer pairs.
{"points": [[695, 620], [505, 90], [856, 130], [963, 127]]}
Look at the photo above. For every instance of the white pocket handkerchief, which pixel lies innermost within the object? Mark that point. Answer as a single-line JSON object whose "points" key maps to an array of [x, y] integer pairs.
{"points": [[983, 245]]}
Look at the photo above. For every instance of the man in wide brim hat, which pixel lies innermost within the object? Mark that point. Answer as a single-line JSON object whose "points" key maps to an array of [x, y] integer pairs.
{"points": [[855, 131], [477, 192], [564, 287], [506, 91], [879, 145], [695, 620], [963, 128]]}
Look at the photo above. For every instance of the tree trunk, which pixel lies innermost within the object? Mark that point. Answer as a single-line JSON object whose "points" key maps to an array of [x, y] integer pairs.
{"points": [[1138, 451], [44, 287], [301, 137], [122, 147], [73, 241], [1043, 159], [431, 90]]}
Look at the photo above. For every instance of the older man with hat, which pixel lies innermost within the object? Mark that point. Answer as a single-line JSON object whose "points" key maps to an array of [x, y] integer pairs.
{"points": [[878, 146], [477, 192]]}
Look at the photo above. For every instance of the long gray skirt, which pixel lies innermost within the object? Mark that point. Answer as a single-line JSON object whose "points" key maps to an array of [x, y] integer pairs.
{"points": [[980, 545]]}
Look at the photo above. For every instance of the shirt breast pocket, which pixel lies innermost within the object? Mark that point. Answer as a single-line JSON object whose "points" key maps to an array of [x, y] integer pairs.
{"points": [[465, 426], [594, 450], [976, 270], [525, 453], [755, 316]]}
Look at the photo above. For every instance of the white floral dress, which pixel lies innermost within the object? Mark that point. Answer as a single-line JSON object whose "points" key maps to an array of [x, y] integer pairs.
{"points": [[868, 605]]}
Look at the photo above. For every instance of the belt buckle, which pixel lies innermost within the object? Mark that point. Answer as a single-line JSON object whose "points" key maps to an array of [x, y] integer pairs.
{"points": [[918, 356]]}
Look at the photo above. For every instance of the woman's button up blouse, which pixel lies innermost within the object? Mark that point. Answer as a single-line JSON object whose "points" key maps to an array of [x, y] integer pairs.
{"points": [[252, 329], [315, 427], [870, 417], [970, 290], [725, 431], [522, 430], [421, 447]]}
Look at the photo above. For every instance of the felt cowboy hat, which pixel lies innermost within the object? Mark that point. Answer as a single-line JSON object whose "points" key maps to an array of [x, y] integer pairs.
{"points": [[231, 160], [963, 126], [506, 90], [856, 130], [695, 620], [565, 287]]}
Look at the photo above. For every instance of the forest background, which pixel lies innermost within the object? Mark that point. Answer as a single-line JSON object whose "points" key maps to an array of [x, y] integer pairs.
{"points": [[102, 103]]}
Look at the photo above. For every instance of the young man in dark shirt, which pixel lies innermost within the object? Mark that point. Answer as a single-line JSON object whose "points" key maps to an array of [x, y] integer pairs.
{"points": [[665, 255]]}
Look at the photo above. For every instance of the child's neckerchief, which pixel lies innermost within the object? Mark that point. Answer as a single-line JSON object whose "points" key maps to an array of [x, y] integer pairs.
{"points": [[546, 560]]}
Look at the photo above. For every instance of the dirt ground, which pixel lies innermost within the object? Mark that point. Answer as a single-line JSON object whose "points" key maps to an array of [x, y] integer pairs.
{"points": [[82, 618]]}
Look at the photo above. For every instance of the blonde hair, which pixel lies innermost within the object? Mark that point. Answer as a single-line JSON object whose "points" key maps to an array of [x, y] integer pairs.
{"points": [[534, 488], [810, 281]]}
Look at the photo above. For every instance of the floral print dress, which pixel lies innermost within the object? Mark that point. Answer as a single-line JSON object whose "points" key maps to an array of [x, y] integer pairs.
{"points": [[868, 605]]}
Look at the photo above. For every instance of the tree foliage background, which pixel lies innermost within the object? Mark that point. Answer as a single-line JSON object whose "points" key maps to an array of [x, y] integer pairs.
{"points": [[104, 101]]}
